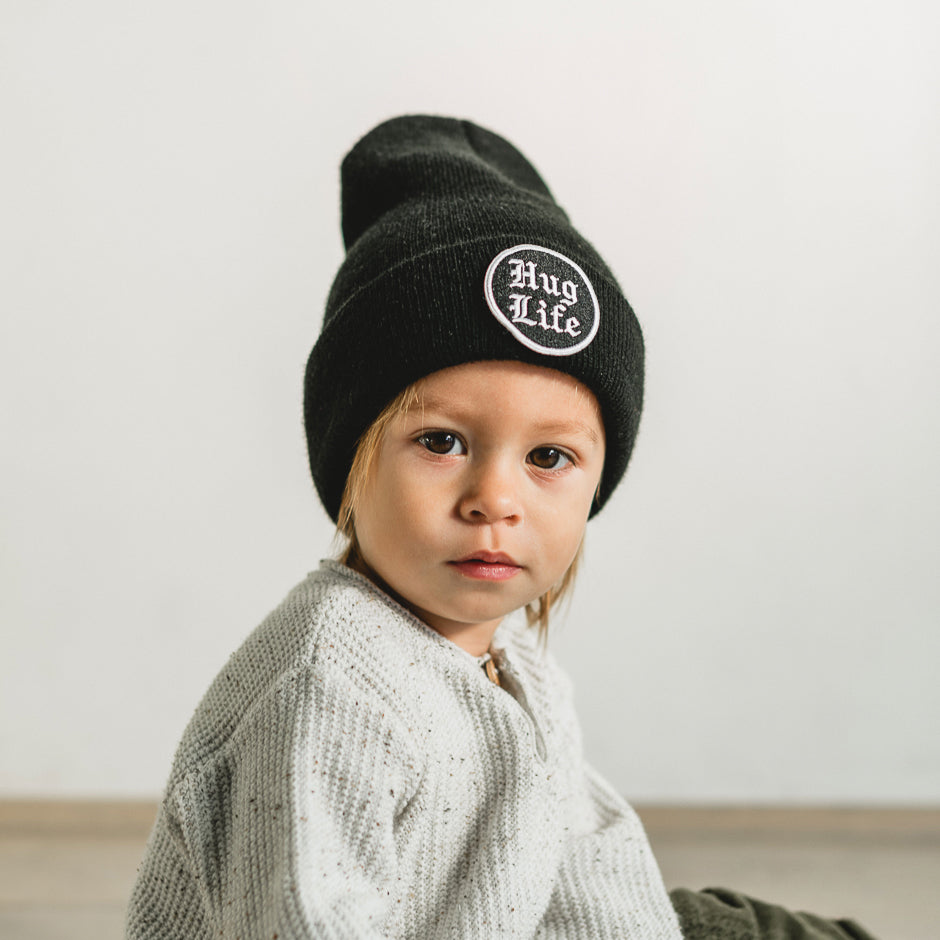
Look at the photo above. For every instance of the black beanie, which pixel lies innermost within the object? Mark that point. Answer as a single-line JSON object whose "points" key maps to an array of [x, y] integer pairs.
{"points": [[456, 252]]}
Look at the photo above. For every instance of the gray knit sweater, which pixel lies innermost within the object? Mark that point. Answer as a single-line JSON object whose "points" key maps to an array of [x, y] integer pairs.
{"points": [[352, 774]]}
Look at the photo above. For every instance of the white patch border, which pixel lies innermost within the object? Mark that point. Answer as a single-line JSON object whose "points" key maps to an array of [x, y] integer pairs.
{"points": [[507, 322]]}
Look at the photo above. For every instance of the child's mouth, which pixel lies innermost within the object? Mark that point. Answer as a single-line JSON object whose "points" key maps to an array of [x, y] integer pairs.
{"points": [[487, 566]]}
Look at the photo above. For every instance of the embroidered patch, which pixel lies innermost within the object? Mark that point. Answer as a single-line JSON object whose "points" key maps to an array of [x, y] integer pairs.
{"points": [[543, 298]]}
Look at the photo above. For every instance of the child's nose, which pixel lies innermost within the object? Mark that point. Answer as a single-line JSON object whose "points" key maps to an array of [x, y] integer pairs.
{"points": [[491, 494]]}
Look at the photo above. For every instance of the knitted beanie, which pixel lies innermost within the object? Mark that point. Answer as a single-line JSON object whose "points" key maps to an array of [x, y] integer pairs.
{"points": [[456, 252]]}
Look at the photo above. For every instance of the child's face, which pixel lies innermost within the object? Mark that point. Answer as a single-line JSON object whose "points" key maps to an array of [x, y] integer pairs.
{"points": [[499, 458]]}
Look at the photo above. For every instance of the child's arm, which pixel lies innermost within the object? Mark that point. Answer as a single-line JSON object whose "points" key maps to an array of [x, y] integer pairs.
{"points": [[288, 829]]}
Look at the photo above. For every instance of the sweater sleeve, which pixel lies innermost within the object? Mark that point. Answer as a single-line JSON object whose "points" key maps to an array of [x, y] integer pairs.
{"points": [[720, 914], [288, 830]]}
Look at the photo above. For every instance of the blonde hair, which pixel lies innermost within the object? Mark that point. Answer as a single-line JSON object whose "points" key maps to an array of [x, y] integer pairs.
{"points": [[360, 474]]}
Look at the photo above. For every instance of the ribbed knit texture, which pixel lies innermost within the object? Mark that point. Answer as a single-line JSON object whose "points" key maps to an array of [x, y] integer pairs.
{"points": [[352, 774]]}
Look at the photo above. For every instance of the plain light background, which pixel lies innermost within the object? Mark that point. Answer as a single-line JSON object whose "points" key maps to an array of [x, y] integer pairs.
{"points": [[757, 619]]}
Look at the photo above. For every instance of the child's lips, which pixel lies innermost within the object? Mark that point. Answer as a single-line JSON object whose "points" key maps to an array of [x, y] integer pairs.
{"points": [[487, 566], [492, 558]]}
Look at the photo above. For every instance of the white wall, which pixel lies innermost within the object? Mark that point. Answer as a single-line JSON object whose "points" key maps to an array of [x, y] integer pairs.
{"points": [[758, 616]]}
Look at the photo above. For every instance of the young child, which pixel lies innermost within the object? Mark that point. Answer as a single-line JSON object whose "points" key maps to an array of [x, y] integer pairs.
{"points": [[390, 753]]}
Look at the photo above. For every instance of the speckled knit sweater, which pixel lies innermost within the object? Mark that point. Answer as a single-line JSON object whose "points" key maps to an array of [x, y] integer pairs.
{"points": [[352, 774]]}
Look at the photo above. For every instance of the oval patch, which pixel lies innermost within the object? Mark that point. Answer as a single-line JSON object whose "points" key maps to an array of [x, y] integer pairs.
{"points": [[543, 298]]}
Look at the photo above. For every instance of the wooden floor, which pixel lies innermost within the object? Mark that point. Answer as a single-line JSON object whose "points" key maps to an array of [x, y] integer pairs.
{"points": [[66, 868]]}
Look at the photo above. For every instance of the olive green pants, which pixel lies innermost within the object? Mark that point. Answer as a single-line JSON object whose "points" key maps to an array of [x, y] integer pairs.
{"points": [[719, 914]]}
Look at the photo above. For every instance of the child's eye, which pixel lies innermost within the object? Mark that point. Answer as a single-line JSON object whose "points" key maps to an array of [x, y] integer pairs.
{"points": [[548, 458], [442, 442]]}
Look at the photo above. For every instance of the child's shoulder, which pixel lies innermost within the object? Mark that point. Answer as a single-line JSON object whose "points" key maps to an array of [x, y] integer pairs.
{"points": [[333, 629], [333, 614]]}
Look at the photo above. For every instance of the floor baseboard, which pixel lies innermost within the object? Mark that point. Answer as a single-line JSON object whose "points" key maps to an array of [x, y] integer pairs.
{"points": [[80, 817], [133, 818]]}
